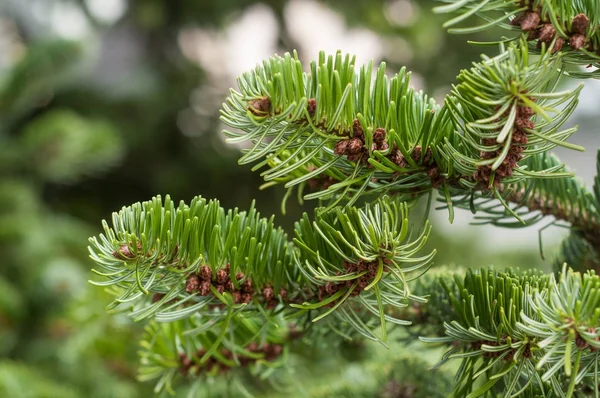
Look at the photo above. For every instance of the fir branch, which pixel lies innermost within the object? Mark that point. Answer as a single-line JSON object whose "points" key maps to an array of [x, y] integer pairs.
{"points": [[332, 131], [572, 27], [170, 263], [199, 348], [191, 258], [364, 253], [516, 331]]}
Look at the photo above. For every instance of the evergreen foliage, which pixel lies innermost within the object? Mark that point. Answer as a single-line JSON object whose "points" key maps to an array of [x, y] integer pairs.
{"points": [[226, 294]]}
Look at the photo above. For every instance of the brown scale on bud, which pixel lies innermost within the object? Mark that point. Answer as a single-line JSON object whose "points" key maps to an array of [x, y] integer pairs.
{"points": [[125, 251], [489, 141], [204, 288], [357, 129], [533, 34], [530, 21], [397, 158], [260, 107], [379, 136], [246, 298], [268, 293], [237, 296], [435, 176], [504, 170], [239, 276], [580, 342], [205, 273], [331, 288], [416, 153], [355, 146], [428, 156], [283, 294], [355, 158], [186, 363], [547, 33], [221, 276], [311, 107], [558, 45], [229, 286], [247, 286], [252, 347], [362, 283], [341, 147], [580, 24], [524, 124], [383, 146], [158, 296], [220, 288], [192, 283], [577, 41], [525, 112], [487, 155]]}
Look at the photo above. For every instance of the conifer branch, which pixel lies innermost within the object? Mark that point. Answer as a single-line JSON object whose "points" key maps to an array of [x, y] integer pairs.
{"points": [[170, 262], [523, 333], [227, 291], [332, 131], [571, 27]]}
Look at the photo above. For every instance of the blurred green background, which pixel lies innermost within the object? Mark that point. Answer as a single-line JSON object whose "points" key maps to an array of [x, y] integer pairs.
{"points": [[107, 102]]}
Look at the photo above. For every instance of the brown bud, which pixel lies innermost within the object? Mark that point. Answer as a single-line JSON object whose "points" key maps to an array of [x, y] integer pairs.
{"points": [[283, 293], [397, 157], [341, 147], [312, 106], [576, 42], [331, 288], [355, 158], [205, 273], [220, 288], [547, 33], [247, 286], [246, 298], [355, 146], [379, 135], [357, 129], [558, 45], [525, 112], [229, 286], [221, 276], [433, 173], [237, 296], [239, 276], [125, 251], [428, 156], [416, 153], [519, 136], [524, 124], [530, 21], [504, 170], [157, 296], [580, 24], [260, 107], [204, 288], [192, 283], [488, 141], [268, 293]]}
